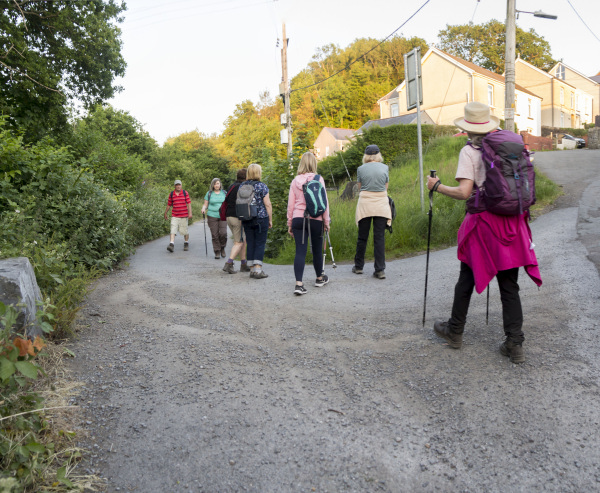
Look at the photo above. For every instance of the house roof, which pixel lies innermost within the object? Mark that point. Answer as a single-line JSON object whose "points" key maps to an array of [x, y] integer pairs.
{"points": [[484, 72], [397, 120], [340, 133], [390, 95], [553, 69], [595, 78]]}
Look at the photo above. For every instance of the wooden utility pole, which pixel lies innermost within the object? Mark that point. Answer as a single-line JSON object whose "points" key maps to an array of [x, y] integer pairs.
{"points": [[509, 67], [286, 93]]}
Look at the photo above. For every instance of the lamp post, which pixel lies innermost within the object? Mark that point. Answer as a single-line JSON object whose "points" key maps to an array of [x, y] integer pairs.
{"points": [[509, 60]]}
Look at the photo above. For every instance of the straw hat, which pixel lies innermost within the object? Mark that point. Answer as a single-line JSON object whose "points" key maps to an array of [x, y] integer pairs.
{"points": [[477, 119]]}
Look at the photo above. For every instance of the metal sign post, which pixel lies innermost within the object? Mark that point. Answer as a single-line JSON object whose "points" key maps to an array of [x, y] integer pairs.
{"points": [[414, 99]]}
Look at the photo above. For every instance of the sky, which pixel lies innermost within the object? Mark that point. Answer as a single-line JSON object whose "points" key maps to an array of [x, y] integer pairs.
{"points": [[190, 62]]}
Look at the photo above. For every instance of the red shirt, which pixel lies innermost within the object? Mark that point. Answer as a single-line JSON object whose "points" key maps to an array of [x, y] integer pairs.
{"points": [[179, 201]]}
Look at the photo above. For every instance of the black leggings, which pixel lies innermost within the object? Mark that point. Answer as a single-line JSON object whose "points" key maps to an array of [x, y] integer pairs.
{"points": [[512, 313], [299, 224]]}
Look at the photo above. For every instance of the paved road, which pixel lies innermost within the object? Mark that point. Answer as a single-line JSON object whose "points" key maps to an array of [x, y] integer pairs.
{"points": [[200, 381]]}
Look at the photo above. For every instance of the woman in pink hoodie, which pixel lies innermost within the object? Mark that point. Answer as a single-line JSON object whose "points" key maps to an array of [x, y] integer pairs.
{"points": [[302, 227]]}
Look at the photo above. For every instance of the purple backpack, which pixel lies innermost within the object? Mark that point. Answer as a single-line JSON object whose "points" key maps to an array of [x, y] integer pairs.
{"points": [[509, 186]]}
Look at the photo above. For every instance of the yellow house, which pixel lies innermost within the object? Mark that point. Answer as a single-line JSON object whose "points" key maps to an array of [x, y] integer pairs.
{"points": [[563, 105], [450, 82], [581, 107], [332, 140]]}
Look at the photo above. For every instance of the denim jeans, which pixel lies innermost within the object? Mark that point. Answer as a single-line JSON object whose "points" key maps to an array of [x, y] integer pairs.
{"points": [[300, 225], [256, 240], [364, 227], [512, 313]]}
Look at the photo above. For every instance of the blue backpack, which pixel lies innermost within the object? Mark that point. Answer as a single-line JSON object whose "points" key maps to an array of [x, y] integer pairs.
{"points": [[315, 197]]}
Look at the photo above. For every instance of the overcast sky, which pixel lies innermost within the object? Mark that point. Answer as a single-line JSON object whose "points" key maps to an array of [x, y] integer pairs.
{"points": [[190, 62]]}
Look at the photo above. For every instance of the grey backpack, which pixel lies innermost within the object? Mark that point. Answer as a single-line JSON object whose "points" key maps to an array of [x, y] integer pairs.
{"points": [[245, 204]]}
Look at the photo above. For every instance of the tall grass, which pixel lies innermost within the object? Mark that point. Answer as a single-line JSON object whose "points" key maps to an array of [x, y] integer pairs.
{"points": [[411, 224]]}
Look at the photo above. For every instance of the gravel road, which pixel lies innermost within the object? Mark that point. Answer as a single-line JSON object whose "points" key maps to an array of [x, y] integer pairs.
{"points": [[200, 381]]}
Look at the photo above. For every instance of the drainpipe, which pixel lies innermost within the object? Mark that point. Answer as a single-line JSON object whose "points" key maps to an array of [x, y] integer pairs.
{"points": [[552, 99]]}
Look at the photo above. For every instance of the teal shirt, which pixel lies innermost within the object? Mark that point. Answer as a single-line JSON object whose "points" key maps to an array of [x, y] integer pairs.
{"points": [[373, 176], [214, 204]]}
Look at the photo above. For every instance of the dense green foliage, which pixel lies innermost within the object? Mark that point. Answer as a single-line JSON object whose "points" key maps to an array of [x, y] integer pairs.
{"points": [[192, 158], [52, 53], [483, 45]]}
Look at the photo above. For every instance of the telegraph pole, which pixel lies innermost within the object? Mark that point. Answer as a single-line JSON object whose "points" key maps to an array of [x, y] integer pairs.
{"points": [[286, 93], [509, 67]]}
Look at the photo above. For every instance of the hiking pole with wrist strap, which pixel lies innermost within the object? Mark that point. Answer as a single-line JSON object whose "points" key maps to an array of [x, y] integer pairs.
{"points": [[432, 174], [330, 249], [205, 244]]}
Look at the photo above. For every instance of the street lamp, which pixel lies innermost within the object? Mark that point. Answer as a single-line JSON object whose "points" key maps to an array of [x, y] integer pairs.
{"points": [[509, 60]]}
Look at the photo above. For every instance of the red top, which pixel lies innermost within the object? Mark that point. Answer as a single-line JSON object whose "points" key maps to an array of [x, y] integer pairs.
{"points": [[179, 201]]}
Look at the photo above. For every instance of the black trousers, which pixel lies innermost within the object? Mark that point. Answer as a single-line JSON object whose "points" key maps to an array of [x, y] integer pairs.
{"points": [[364, 227], [512, 313], [300, 225]]}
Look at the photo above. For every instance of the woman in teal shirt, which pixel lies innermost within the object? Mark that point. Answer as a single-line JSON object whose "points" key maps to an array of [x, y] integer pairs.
{"points": [[212, 205]]}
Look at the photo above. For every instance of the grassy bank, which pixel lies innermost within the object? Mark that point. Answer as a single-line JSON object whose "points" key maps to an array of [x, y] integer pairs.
{"points": [[411, 224]]}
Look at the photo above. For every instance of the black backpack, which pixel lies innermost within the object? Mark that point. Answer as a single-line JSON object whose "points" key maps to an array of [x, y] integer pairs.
{"points": [[315, 197], [245, 204], [393, 210]]}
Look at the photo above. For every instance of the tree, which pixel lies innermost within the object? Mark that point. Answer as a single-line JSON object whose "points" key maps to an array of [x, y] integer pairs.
{"points": [[55, 52], [484, 45]]}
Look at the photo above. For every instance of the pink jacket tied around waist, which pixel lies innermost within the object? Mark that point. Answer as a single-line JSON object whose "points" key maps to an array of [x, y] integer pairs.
{"points": [[489, 243]]}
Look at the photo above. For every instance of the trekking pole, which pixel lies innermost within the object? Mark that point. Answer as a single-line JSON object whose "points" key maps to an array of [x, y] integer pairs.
{"points": [[324, 252], [432, 174], [330, 249], [205, 244], [487, 306]]}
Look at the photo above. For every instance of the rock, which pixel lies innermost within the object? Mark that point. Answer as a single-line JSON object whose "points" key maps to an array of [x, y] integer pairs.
{"points": [[18, 285]]}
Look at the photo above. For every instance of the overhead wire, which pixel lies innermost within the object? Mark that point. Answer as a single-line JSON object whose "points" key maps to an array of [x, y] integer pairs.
{"points": [[581, 19], [365, 53]]}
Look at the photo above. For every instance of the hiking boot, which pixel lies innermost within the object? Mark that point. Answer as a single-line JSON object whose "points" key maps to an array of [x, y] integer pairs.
{"points": [[218, 255], [443, 330], [513, 350], [319, 283], [223, 254], [260, 275], [379, 274], [171, 247], [244, 268], [186, 247], [300, 290], [229, 268], [356, 270]]}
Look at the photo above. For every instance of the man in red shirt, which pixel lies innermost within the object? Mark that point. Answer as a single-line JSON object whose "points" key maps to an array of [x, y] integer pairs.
{"points": [[182, 210]]}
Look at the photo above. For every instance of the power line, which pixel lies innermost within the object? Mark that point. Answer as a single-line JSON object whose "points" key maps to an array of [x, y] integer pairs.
{"points": [[365, 53], [580, 18], [135, 27]]}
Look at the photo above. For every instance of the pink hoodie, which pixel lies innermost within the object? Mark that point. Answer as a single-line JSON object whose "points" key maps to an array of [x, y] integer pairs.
{"points": [[296, 203]]}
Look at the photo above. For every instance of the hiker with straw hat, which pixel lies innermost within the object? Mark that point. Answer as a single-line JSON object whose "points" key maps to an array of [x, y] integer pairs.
{"points": [[488, 244]]}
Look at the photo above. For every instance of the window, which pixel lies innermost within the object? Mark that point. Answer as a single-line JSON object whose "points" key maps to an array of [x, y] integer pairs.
{"points": [[562, 120], [562, 96], [560, 72], [394, 109], [529, 111], [326, 151], [490, 95], [572, 101]]}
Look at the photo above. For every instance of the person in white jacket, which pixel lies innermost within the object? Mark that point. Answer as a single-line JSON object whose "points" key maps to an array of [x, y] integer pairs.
{"points": [[300, 224]]}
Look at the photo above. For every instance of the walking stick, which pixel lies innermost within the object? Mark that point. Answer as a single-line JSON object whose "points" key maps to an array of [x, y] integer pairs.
{"points": [[324, 252], [487, 306], [330, 250], [432, 174], [205, 244]]}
